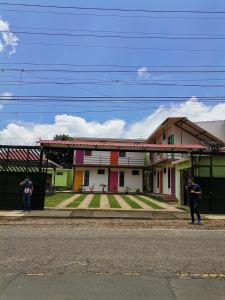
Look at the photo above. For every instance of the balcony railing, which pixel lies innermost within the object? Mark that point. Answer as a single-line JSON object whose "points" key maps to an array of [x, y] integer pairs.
{"points": [[156, 158], [102, 160]]}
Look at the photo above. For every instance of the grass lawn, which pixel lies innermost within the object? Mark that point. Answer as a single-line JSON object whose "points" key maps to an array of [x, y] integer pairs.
{"points": [[55, 199], [95, 201], [113, 203], [130, 202], [148, 202], [77, 201]]}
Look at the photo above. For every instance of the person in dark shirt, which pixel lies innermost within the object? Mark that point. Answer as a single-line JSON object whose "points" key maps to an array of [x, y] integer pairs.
{"points": [[28, 190], [194, 193]]}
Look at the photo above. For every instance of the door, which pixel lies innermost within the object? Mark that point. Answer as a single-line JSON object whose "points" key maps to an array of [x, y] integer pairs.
{"points": [[78, 180], [172, 181], [161, 182], [114, 158], [79, 157], [113, 182]]}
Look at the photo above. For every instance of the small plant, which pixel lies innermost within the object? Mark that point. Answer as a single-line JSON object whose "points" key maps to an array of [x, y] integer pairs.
{"points": [[138, 191], [103, 186], [127, 188]]}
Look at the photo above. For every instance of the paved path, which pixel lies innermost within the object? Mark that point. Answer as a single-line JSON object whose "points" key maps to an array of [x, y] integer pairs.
{"points": [[142, 204], [86, 202], [122, 203], [104, 203], [67, 201], [168, 207]]}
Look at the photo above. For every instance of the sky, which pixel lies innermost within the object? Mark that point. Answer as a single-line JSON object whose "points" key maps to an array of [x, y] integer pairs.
{"points": [[135, 53]]}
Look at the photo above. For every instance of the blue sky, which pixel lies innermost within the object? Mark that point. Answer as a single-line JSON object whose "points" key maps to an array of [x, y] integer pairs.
{"points": [[113, 51]]}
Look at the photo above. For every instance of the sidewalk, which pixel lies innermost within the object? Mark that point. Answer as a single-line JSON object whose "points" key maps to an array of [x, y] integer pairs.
{"points": [[105, 213]]}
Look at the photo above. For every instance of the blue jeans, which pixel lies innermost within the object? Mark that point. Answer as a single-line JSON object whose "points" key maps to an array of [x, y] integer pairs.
{"points": [[194, 203], [26, 201]]}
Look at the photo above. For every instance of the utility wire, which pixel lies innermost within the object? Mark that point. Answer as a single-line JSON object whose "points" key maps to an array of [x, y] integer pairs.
{"points": [[112, 9], [163, 18], [114, 36]]}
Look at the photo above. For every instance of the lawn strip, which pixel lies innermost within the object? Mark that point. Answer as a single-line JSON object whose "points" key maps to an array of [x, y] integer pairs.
{"points": [[130, 202], [77, 201], [113, 203], [95, 201], [148, 202], [55, 199]]}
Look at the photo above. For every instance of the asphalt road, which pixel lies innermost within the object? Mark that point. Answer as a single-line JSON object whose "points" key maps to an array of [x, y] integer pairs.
{"points": [[65, 262]]}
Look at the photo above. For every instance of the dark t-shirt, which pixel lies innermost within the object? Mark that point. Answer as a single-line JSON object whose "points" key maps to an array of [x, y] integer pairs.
{"points": [[195, 187]]}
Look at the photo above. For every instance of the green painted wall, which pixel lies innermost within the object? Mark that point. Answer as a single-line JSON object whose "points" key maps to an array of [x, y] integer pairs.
{"points": [[63, 178]]}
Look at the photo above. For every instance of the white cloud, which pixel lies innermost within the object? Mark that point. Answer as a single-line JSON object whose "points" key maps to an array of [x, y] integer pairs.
{"points": [[77, 126], [7, 38], [143, 72], [5, 96]]}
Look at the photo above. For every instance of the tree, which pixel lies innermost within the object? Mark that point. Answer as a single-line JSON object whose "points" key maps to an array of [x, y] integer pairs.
{"points": [[63, 137]]}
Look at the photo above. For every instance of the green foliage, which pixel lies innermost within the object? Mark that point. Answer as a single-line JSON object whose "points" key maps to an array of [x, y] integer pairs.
{"points": [[63, 137]]}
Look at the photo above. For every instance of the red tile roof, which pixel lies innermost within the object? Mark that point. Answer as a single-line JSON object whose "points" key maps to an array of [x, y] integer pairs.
{"points": [[121, 145]]}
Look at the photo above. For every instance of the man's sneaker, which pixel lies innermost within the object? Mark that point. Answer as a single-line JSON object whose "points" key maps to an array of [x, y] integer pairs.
{"points": [[192, 222], [200, 222]]}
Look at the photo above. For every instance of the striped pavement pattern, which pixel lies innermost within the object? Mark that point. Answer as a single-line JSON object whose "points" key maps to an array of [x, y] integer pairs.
{"points": [[104, 203]]}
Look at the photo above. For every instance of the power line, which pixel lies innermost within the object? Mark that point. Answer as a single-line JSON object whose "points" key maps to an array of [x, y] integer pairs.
{"points": [[163, 18], [109, 83], [111, 65], [110, 31], [113, 36], [123, 47], [112, 9], [108, 71]]}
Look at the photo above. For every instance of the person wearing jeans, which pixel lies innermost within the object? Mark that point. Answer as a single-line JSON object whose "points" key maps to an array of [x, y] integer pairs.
{"points": [[28, 189], [194, 192]]}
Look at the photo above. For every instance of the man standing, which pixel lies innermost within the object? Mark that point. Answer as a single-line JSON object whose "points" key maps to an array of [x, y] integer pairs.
{"points": [[194, 193], [28, 190]]}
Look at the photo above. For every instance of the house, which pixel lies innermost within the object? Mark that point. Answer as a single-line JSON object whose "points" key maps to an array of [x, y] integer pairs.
{"points": [[170, 172], [113, 165]]}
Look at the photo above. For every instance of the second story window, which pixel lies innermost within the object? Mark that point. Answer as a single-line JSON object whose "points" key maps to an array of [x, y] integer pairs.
{"points": [[88, 152], [122, 154], [101, 171]]}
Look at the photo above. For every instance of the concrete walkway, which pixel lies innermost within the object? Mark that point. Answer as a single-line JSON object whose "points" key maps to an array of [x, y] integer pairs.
{"points": [[86, 202], [122, 203], [104, 204], [104, 213], [168, 207], [142, 204], [67, 201]]}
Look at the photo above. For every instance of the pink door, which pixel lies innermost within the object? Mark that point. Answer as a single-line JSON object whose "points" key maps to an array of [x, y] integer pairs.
{"points": [[113, 182]]}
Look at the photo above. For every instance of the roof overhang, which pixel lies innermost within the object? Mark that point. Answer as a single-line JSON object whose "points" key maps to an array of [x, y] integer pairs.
{"points": [[126, 146]]}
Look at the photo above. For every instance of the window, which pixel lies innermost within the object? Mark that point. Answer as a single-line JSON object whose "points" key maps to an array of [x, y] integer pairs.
{"points": [[59, 173], [135, 172], [121, 179], [88, 152], [164, 135], [86, 177], [157, 179], [164, 170], [122, 154], [101, 171], [168, 178]]}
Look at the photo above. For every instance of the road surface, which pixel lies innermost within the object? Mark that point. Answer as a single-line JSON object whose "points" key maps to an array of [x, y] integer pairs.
{"points": [[59, 261]]}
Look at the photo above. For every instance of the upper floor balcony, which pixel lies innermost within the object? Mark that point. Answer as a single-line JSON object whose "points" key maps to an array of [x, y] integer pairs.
{"points": [[113, 159]]}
